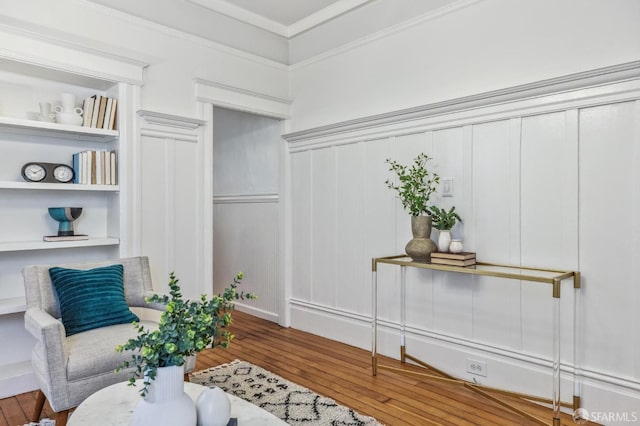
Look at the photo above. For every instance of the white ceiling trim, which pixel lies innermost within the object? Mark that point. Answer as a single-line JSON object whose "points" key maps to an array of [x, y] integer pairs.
{"points": [[321, 16], [243, 15]]}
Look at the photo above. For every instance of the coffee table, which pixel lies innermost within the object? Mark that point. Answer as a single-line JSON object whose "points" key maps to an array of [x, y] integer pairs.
{"points": [[113, 406]]}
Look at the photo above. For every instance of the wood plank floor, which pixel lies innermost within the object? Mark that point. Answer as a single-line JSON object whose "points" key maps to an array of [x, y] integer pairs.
{"points": [[340, 372]]}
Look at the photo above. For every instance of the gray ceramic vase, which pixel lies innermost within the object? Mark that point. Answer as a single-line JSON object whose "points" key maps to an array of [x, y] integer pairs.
{"points": [[421, 246]]}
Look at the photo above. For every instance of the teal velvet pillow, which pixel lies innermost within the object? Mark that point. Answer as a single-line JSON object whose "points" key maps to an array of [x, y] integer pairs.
{"points": [[91, 298]]}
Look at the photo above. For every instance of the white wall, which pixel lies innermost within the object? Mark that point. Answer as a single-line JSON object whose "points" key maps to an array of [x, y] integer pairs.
{"points": [[490, 45], [536, 185]]}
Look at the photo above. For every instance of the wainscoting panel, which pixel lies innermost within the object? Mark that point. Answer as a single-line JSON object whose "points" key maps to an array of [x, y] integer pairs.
{"points": [[301, 252], [323, 227], [608, 248], [168, 226], [491, 226], [245, 239], [549, 181], [351, 259]]}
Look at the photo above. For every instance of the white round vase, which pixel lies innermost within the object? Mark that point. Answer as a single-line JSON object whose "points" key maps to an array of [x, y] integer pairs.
{"points": [[166, 403], [455, 246], [213, 407], [444, 239]]}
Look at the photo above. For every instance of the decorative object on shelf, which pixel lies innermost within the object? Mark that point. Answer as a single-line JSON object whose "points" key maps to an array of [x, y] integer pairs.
{"points": [[185, 328], [420, 247], [416, 184], [68, 113], [65, 216], [456, 246], [45, 113], [443, 221], [47, 172], [213, 407]]}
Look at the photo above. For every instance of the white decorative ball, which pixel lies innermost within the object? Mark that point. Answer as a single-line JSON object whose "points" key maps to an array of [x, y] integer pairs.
{"points": [[213, 407]]}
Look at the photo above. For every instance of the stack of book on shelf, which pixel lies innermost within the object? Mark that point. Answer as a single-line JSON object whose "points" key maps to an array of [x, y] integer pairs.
{"points": [[95, 168], [453, 259], [99, 112]]}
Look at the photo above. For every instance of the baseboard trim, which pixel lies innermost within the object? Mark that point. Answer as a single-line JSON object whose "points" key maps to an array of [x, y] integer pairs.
{"points": [[256, 312], [350, 328], [17, 378]]}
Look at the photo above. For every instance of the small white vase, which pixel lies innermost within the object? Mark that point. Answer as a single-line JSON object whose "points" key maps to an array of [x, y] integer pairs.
{"points": [[456, 246], [213, 407], [166, 403], [444, 239]]}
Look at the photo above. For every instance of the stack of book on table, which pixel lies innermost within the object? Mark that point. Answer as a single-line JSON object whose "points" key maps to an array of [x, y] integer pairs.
{"points": [[464, 258]]}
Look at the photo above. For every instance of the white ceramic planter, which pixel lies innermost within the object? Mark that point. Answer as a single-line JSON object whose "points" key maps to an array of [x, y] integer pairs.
{"points": [[166, 403]]}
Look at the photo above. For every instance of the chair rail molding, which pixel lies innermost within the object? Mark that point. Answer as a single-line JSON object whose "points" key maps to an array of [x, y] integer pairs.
{"points": [[246, 198], [616, 83], [242, 99]]}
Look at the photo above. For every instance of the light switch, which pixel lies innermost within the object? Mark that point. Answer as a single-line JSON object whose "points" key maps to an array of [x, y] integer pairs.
{"points": [[447, 187]]}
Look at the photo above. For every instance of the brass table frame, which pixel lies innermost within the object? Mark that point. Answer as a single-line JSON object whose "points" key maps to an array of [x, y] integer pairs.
{"points": [[510, 272]]}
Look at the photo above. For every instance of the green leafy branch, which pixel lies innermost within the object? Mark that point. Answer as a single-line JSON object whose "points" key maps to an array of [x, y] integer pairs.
{"points": [[185, 328], [442, 219], [415, 184]]}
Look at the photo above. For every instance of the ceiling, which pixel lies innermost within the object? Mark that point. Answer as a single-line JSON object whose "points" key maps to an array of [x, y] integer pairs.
{"points": [[283, 17]]}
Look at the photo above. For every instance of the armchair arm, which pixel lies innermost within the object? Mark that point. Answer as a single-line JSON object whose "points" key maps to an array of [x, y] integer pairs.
{"points": [[50, 354]]}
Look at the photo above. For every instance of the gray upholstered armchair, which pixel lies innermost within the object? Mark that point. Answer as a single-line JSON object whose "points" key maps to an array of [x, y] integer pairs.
{"points": [[70, 368]]}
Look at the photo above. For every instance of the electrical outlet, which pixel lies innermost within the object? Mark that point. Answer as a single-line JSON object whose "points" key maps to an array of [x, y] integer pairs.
{"points": [[479, 368]]}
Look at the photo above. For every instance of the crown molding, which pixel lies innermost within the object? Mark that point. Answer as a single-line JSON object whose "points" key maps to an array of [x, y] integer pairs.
{"points": [[240, 14], [323, 15], [561, 88], [405, 25], [172, 32], [242, 99], [167, 126]]}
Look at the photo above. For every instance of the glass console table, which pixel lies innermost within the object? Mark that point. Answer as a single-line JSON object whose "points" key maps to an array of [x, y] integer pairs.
{"points": [[554, 278]]}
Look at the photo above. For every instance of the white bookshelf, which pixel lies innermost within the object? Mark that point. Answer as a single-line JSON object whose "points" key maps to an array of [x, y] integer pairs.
{"points": [[55, 130], [58, 186], [24, 217], [50, 245]]}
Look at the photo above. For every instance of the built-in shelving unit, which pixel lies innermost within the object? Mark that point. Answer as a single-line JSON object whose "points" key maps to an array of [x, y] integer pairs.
{"points": [[24, 217]]}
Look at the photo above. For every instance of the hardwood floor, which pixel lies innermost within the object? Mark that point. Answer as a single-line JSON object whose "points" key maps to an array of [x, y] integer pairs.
{"points": [[341, 372]]}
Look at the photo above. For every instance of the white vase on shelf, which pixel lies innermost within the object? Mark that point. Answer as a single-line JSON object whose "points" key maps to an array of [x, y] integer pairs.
{"points": [[444, 239], [68, 113], [456, 246]]}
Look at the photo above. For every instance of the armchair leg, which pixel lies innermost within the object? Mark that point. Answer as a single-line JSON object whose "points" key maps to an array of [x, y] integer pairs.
{"points": [[61, 418], [186, 377], [37, 410]]}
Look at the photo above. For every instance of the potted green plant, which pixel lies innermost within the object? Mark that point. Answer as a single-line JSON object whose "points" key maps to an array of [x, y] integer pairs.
{"points": [[443, 221], [414, 186], [185, 328]]}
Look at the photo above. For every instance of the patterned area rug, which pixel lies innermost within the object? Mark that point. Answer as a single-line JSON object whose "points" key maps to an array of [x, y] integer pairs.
{"points": [[293, 403]]}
